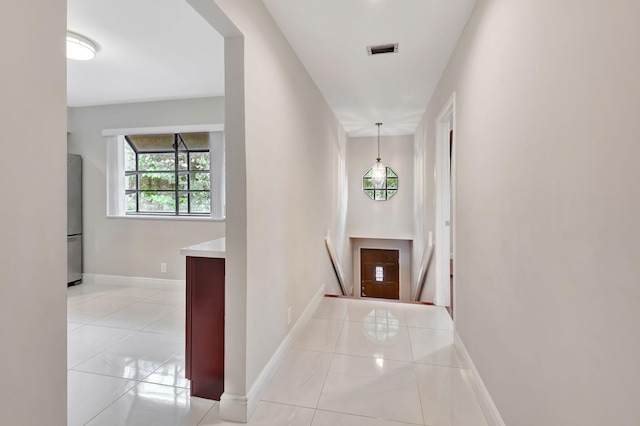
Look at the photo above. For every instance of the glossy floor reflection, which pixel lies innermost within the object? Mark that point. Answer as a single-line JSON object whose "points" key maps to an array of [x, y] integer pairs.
{"points": [[126, 358], [358, 362]]}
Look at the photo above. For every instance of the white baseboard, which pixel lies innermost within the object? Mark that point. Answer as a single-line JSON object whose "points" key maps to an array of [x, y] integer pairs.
{"points": [[489, 409], [238, 408], [141, 282], [234, 408]]}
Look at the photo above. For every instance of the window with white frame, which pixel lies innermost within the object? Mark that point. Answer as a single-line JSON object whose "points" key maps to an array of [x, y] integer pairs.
{"points": [[164, 172]]}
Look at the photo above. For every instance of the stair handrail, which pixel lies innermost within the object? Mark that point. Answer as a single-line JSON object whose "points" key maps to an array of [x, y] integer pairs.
{"points": [[424, 270], [336, 264]]}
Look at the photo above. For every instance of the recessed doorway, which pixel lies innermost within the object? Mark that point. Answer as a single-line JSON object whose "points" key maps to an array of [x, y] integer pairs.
{"points": [[380, 273]]}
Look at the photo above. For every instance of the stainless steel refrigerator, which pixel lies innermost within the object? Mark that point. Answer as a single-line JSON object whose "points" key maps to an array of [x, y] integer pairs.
{"points": [[74, 219]]}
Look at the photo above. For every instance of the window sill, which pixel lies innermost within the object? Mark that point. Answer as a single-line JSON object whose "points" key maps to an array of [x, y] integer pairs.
{"points": [[170, 218]]}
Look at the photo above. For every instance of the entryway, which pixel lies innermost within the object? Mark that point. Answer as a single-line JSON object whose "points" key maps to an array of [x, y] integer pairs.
{"points": [[445, 205], [380, 273]]}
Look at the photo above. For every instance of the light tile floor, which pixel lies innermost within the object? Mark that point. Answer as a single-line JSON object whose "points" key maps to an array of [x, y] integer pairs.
{"points": [[358, 362]]}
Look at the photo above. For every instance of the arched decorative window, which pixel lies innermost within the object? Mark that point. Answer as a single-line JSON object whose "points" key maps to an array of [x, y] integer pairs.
{"points": [[388, 189]]}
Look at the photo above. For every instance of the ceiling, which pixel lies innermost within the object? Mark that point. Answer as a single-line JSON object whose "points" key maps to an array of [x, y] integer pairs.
{"points": [[147, 50], [162, 49], [331, 39]]}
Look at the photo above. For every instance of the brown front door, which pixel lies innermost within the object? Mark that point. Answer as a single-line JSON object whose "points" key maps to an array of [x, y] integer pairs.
{"points": [[380, 273]]}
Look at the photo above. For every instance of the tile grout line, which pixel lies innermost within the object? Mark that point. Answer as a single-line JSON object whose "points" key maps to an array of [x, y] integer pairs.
{"points": [[109, 405], [127, 307], [413, 365], [102, 351], [207, 412], [111, 313]]}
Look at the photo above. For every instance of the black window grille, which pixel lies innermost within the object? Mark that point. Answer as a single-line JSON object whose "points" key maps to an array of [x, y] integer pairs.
{"points": [[388, 190], [168, 174]]}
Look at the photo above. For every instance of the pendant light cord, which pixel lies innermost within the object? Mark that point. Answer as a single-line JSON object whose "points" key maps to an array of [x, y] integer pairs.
{"points": [[378, 124]]}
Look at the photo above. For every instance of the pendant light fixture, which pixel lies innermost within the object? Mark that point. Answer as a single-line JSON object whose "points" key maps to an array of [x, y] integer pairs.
{"points": [[379, 170]]}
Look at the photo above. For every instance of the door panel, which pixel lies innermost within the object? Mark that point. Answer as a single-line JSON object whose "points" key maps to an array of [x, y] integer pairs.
{"points": [[380, 273]]}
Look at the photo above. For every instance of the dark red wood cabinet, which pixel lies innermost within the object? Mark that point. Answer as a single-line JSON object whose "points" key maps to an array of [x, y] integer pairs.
{"points": [[205, 326]]}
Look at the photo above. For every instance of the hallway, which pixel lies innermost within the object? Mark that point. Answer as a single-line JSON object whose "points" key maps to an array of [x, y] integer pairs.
{"points": [[358, 362]]}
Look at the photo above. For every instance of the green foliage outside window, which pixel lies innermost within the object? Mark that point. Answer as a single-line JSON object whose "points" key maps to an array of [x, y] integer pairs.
{"points": [[388, 190], [171, 179]]}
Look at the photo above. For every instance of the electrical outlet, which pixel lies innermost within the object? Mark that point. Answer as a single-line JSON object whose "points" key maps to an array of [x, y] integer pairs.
{"points": [[289, 316], [163, 268]]}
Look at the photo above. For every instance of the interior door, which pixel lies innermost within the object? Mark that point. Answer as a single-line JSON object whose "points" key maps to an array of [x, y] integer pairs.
{"points": [[380, 273]]}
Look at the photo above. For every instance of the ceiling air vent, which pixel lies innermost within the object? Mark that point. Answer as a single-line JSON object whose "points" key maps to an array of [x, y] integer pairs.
{"points": [[383, 48]]}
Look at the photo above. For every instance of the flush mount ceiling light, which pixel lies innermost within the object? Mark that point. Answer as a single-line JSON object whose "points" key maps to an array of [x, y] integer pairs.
{"points": [[79, 47]]}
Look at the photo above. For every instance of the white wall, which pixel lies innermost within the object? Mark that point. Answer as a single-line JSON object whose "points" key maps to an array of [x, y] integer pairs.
{"points": [[424, 209], [33, 332], [339, 230], [547, 232], [380, 219], [288, 151], [127, 246], [292, 140]]}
